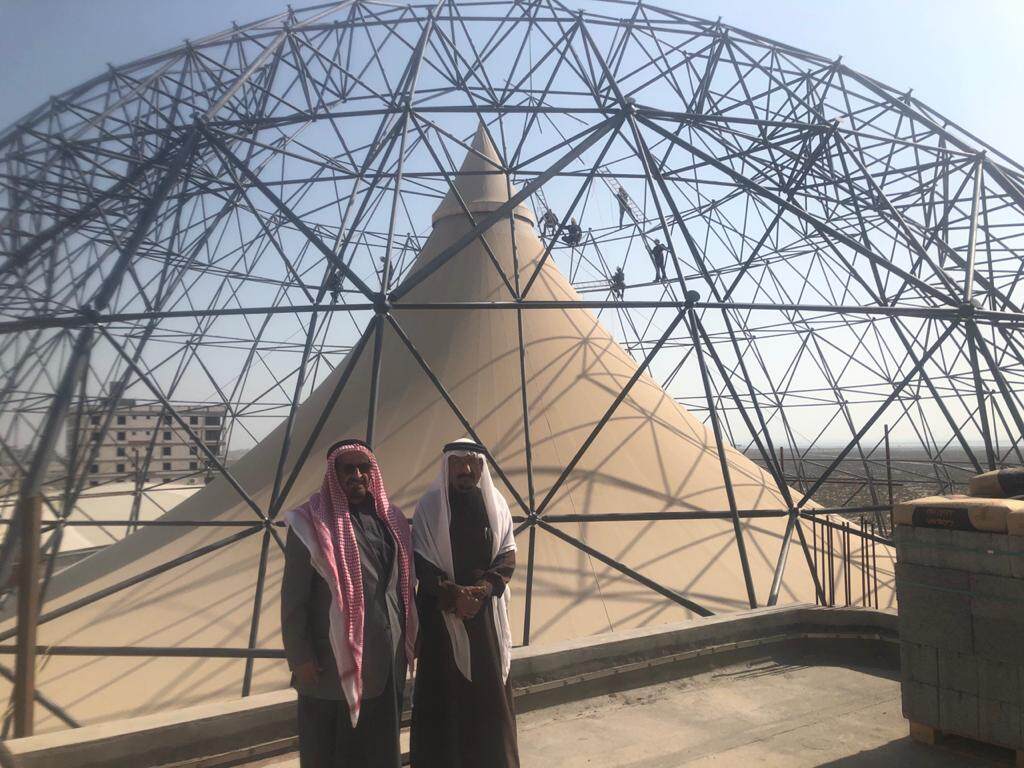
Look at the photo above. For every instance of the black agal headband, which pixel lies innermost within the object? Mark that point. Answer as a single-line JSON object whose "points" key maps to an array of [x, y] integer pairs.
{"points": [[348, 441], [464, 447]]}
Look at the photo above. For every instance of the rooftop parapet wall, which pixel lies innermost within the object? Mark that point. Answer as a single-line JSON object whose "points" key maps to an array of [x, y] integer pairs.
{"points": [[243, 724]]}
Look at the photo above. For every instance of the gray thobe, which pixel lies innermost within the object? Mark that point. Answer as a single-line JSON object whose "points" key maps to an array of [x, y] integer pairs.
{"points": [[325, 732]]}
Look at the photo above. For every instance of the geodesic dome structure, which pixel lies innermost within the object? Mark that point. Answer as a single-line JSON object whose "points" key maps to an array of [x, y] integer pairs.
{"points": [[329, 220]]}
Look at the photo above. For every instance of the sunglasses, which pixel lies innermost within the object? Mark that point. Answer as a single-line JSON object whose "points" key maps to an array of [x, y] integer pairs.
{"points": [[350, 469]]}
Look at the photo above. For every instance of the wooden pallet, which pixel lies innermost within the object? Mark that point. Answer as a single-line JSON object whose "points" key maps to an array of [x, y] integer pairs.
{"points": [[926, 734]]}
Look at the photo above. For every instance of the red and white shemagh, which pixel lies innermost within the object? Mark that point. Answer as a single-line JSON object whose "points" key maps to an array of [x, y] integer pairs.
{"points": [[327, 515]]}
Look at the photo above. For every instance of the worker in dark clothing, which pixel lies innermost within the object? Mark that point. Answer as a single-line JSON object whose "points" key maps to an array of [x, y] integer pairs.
{"points": [[573, 234], [622, 197], [618, 284], [333, 285], [548, 223], [658, 255]]}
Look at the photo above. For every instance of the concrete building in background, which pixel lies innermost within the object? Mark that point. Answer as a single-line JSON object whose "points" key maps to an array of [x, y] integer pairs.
{"points": [[142, 442]]}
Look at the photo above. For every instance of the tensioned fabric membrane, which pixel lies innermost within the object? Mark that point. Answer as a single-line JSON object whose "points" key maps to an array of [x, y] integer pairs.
{"points": [[651, 456], [109, 501]]}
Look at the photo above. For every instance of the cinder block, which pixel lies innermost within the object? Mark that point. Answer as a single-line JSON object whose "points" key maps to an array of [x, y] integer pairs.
{"points": [[920, 702], [938, 578], [972, 551], [995, 636], [961, 552], [1000, 723], [984, 553], [958, 672], [958, 712], [935, 606], [922, 546], [1003, 588], [999, 681], [919, 663], [946, 627], [1015, 554]]}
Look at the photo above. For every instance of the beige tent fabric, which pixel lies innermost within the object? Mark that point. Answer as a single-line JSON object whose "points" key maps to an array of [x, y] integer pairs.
{"points": [[110, 501], [652, 456]]}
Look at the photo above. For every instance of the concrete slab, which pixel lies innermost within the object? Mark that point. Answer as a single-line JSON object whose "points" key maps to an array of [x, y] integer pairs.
{"points": [[765, 713]]}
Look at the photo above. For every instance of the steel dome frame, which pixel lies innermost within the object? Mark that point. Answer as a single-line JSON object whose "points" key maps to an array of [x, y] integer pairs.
{"points": [[810, 209]]}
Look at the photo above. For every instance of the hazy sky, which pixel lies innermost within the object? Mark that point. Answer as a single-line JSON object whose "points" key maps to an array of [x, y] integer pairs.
{"points": [[963, 59]]}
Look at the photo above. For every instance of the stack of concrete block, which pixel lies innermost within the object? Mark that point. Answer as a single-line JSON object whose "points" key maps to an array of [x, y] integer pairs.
{"points": [[961, 618]]}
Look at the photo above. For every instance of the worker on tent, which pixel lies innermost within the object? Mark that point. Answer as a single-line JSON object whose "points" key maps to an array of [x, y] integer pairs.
{"points": [[573, 234], [659, 253], [333, 285], [548, 223], [619, 284], [462, 712], [622, 197], [347, 615]]}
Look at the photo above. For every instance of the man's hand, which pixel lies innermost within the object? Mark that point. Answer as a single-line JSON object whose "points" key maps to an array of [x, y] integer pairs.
{"points": [[480, 591], [466, 604], [308, 674], [469, 601]]}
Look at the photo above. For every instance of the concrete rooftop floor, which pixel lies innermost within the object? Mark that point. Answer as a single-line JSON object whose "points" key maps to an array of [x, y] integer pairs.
{"points": [[763, 713]]}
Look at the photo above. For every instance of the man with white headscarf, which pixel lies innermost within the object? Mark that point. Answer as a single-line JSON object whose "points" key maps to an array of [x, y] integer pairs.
{"points": [[347, 618], [462, 715]]}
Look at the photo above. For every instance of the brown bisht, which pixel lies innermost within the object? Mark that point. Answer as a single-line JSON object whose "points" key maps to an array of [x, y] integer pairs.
{"points": [[463, 714]]}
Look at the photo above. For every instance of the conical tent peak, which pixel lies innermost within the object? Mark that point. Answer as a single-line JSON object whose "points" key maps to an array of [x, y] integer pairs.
{"points": [[481, 182], [482, 145]]}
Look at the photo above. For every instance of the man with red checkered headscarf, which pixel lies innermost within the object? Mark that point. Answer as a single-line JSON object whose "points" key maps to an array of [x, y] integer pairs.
{"points": [[347, 615]]}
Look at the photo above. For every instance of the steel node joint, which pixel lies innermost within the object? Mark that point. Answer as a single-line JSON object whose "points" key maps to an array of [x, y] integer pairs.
{"points": [[91, 315], [967, 310]]}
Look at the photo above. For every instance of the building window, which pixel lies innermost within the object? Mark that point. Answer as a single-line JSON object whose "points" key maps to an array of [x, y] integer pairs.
{"points": [[212, 435], [167, 435], [120, 451], [120, 420], [96, 437], [193, 419], [120, 435], [94, 468], [167, 467], [193, 465], [193, 451], [212, 421], [94, 420], [120, 467], [165, 451]]}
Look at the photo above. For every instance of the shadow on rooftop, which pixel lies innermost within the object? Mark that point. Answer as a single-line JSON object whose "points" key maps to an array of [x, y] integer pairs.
{"points": [[952, 752]]}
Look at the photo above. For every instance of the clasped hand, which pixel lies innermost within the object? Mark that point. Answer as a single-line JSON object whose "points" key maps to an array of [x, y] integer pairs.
{"points": [[468, 600]]}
